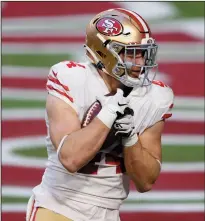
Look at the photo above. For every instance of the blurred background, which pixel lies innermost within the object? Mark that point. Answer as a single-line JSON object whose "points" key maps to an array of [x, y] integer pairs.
{"points": [[36, 35]]}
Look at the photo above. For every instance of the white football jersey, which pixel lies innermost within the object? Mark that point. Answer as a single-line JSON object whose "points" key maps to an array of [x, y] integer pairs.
{"points": [[102, 181]]}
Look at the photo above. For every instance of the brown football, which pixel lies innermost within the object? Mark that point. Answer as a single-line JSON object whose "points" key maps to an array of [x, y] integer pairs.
{"points": [[91, 113]]}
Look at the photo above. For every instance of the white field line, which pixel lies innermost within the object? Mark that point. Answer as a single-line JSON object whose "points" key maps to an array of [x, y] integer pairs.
{"points": [[187, 101], [183, 139], [9, 145], [166, 195], [187, 26], [183, 167], [168, 52], [23, 114], [168, 207], [191, 116], [9, 158], [14, 207], [161, 207], [39, 113], [26, 72], [74, 49], [17, 191], [32, 94]]}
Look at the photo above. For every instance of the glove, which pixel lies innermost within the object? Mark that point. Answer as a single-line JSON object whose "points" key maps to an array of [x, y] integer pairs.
{"points": [[112, 106], [130, 141], [125, 128], [124, 125]]}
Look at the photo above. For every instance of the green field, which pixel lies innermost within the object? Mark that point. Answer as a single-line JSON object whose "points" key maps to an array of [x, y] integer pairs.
{"points": [[33, 60], [192, 9], [171, 153], [15, 103], [8, 199], [8, 103]]}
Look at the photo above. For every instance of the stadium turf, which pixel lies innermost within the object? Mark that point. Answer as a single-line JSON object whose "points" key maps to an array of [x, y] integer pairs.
{"points": [[25, 103], [192, 9], [15, 103], [171, 153], [33, 60], [8, 199]]}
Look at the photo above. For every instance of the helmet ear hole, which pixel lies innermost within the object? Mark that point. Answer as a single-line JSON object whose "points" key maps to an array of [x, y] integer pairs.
{"points": [[102, 55]]}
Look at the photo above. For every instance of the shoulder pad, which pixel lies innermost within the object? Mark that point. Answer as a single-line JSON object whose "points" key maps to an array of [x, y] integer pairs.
{"points": [[66, 80], [76, 72], [161, 94]]}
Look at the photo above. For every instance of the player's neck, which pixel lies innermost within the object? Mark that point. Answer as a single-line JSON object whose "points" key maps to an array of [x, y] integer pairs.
{"points": [[111, 83]]}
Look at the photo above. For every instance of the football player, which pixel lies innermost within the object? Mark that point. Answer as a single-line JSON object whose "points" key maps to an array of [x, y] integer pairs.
{"points": [[89, 167]]}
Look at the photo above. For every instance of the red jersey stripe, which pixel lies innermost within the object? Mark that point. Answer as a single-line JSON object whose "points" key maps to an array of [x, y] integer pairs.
{"points": [[60, 92], [171, 106], [56, 81], [34, 216], [165, 116]]}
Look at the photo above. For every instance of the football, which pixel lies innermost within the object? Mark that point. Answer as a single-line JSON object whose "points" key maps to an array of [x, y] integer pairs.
{"points": [[91, 113]]}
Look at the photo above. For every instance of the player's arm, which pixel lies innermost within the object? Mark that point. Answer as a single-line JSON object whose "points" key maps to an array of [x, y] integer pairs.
{"points": [[142, 160], [79, 145]]}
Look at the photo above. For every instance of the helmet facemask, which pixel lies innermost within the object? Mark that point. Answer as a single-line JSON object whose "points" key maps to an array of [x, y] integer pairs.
{"points": [[123, 68]]}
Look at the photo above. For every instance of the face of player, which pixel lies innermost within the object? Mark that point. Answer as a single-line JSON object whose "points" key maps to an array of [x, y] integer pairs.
{"points": [[135, 59]]}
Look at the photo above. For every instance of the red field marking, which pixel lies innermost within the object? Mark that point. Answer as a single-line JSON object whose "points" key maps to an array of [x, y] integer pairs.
{"points": [[24, 176], [130, 216], [24, 83], [16, 128], [178, 181], [187, 79], [175, 37], [174, 127], [35, 9], [162, 216], [21, 176], [159, 36]]}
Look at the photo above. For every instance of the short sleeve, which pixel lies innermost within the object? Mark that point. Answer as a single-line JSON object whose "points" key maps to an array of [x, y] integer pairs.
{"points": [[158, 106], [67, 83]]}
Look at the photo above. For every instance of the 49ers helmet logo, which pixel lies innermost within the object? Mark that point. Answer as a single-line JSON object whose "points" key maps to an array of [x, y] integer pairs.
{"points": [[109, 26]]}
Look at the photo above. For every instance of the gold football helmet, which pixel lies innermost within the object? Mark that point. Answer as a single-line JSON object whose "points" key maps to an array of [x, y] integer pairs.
{"points": [[116, 31]]}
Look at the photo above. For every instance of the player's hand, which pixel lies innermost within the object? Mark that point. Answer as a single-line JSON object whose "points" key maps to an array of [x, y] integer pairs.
{"points": [[126, 128], [112, 106], [124, 124]]}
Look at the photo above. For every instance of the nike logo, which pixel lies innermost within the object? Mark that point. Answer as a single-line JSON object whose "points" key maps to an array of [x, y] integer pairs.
{"points": [[121, 104]]}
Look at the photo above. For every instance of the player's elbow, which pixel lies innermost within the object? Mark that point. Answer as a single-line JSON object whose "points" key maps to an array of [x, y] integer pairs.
{"points": [[69, 164], [144, 188]]}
